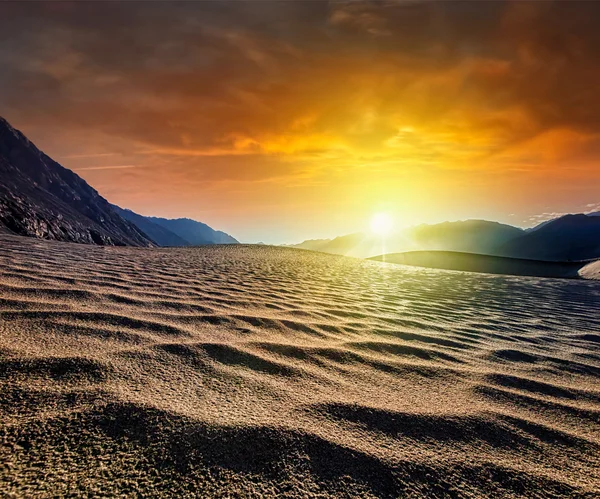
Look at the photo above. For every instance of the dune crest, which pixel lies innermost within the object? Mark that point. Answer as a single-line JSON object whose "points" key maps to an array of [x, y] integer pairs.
{"points": [[591, 271], [486, 264], [246, 370]]}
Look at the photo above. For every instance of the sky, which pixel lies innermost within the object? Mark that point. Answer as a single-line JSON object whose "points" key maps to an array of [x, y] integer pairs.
{"points": [[290, 120]]}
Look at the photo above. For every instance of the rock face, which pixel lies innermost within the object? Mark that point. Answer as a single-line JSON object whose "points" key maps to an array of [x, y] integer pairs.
{"points": [[40, 198]]}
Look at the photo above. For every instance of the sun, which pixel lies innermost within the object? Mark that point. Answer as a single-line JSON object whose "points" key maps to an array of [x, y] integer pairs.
{"points": [[382, 224]]}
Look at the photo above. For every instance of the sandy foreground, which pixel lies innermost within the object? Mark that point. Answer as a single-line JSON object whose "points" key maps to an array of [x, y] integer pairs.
{"points": [[258, 371]]}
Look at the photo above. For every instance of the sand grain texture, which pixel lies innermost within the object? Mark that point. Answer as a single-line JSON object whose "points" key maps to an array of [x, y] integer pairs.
{"points": [[260, 371], [591, 271]]}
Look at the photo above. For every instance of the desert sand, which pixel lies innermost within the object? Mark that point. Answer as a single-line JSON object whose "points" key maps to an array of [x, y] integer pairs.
{"points": [[487, 264], [233, 371], [591, 271]]}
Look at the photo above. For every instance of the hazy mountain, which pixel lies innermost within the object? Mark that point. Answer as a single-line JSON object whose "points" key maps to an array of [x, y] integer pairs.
{"points": [[159, 234], [178, 232], [571, 237], [475, 236], [539, 226], [195, 233], [40, 198], [311, 244], [350, 245]]}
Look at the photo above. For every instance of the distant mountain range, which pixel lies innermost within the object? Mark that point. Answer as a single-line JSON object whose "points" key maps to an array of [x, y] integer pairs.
{"points": [[177, 232], [159, 234], [41, 198], [570, 237], [475, 236], [567, 238]]}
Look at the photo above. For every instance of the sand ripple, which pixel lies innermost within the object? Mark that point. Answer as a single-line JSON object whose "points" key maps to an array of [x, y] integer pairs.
{"points": [[248, 371]]}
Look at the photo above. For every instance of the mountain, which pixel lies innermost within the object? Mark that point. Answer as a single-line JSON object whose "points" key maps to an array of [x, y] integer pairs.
{"points": [[570, 237], [474, 236], [471, 236], [195, 233], [40, 198], [349, 245], [159, 234], [311, 244], [178, 232]]}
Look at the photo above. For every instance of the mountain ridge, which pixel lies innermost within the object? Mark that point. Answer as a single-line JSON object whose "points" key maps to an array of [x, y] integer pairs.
{"points": [[178, 231], [570, 237], [162, 237], [478, 236], [41, 198], [196, 233]]}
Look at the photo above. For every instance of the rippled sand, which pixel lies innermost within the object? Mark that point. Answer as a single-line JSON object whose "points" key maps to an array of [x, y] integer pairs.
{"points": [[241, 371]]}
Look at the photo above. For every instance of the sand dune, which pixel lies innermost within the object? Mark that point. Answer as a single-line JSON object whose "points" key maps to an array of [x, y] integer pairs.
{"points": [[591, 271], [249, 371], [487, 264]]}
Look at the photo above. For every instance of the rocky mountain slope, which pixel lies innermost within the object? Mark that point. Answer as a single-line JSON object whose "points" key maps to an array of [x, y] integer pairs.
{"points": [[40, 198]]}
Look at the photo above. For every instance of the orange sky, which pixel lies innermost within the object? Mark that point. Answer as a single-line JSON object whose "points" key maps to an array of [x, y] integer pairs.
{"points": [[282, 121]]}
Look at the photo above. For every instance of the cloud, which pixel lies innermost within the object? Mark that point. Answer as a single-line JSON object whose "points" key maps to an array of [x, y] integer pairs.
{"points": [[592, 208], [360, 16], [316, 92], [191, 76], [90, 155], [107, 167], [544, 217]]}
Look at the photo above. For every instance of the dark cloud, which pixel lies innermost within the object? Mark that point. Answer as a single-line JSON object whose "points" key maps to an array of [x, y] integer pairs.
{"points": [[157, 71], [443, 83]]}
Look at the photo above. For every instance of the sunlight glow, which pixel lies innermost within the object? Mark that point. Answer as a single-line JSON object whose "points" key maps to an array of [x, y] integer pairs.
{"points": [[382, 224]]}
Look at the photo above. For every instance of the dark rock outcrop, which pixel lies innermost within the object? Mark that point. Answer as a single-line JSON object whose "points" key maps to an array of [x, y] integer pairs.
{"points": [[40, 198]]}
